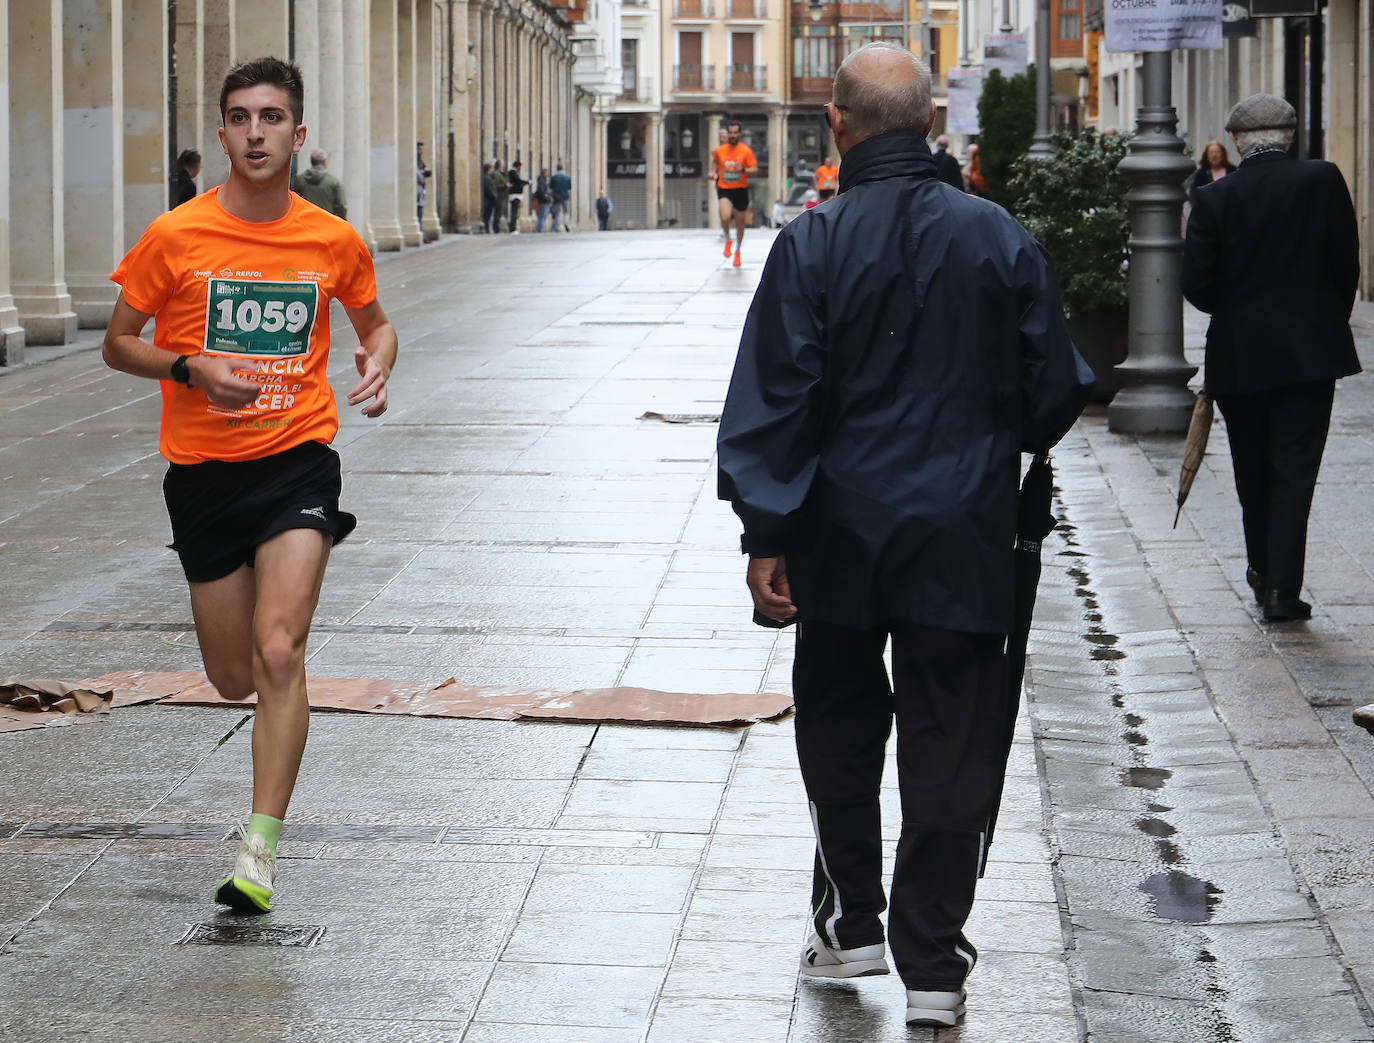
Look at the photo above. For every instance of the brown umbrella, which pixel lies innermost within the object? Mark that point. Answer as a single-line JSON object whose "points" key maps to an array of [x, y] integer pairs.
{"points": [[1199, 428]]}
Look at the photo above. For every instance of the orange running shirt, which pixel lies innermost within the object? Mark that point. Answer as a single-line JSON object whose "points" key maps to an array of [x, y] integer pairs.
{"points": [[731, 163], [827, 177], [257, 291]]}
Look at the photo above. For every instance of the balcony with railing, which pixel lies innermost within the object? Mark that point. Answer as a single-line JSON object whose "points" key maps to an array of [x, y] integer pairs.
{"points": [[745, 9], [636, 89], [693, 8], [694, 78], [745, 76], [863, 11]]}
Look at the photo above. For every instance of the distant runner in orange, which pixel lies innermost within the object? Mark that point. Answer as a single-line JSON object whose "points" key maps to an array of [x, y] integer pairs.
{"points": [[731, 165], [827, 178]]}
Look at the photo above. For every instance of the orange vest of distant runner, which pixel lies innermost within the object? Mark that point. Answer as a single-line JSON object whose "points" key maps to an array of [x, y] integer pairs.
{"points": [[732, 162], [827, 178]]}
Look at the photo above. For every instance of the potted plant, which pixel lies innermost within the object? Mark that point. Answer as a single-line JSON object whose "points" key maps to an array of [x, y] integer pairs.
{"points": [[1075, 205]]}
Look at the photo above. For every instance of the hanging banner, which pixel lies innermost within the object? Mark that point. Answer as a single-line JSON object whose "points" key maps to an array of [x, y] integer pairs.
{"points": [[1005, 51], [965, 88], [1163, 25]]}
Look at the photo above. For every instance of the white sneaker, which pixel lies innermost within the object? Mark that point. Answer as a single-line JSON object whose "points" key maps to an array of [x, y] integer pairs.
{"points": [[934, 1008], [818, 960], [249, 888]]}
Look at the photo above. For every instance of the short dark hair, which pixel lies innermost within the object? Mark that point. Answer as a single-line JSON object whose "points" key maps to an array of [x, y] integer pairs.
{"points": [[189, 157], [733, 123], [272, 71]]}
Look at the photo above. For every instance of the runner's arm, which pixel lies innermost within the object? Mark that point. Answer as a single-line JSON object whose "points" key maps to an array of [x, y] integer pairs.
{"points": [[374, 356], [125, 350]]}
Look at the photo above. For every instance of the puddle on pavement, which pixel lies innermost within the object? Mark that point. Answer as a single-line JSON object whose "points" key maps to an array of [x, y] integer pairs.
{"points": [[1145, 778], [1182, 896], [1155, 827]]}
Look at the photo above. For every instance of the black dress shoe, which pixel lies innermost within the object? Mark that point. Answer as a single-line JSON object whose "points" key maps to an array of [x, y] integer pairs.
{"points": [[1256, 580], [1280, 608]]}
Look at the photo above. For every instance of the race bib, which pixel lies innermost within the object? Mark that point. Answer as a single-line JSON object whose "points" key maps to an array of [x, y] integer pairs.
{"points": [[260, 319]]}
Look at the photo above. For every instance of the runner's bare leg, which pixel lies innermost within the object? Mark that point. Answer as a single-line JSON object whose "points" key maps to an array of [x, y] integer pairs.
{"points": [[740, 217], [290, 570], [223, 611], [726, 210]]}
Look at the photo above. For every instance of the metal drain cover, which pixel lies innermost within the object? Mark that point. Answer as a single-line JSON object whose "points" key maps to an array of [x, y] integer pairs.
{"points": [[279, 934]]}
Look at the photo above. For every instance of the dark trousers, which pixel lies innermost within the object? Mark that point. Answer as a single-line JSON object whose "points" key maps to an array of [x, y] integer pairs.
{"points": [[490, 221], [947, 695], [514, 214], [1277, 438]]}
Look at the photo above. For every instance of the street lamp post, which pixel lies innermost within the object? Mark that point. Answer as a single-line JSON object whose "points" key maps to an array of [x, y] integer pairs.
{"points": [[1041, 146], [1154, 398]]}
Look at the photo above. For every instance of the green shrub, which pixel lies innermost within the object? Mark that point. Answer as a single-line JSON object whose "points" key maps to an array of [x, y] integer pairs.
{"points": [[1075, 205], [1006, 113]]}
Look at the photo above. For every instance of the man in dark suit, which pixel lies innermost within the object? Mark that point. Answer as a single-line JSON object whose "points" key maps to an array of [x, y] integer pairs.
{"points": [[1272, 253], [947, 168], [906, 343]]}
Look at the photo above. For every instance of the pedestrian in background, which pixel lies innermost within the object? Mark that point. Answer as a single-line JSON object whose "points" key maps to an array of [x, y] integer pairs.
{"points": [[779, 214], [560, 187], [498, 178], [183, 182], [422, 176], [1213, 165], [974, 182], [316, 185], [542, 199], [488, 198], [517, 185], [946, 166], [603, 209], [1272, 253], [826, 179], [905, 345]]}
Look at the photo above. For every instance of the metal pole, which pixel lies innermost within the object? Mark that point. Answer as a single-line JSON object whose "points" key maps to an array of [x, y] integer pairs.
{"points": [[451, 210], [1154, 398], [1006, 17], [1042, 147]]}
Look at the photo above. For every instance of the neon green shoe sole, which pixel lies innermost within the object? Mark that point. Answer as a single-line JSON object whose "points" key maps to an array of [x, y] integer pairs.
{"points": [[242, 896]]}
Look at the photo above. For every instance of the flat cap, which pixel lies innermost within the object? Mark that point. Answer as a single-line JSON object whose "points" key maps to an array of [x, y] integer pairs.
{"points": [[1261, 112]]}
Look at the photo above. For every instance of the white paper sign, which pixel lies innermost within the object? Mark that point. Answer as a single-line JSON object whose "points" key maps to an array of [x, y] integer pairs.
{"points": [[1005, 51], [965, 89], [1163, 25]]}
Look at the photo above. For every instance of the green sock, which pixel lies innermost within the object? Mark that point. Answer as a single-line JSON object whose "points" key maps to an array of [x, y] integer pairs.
{"points": [[268, 828]]}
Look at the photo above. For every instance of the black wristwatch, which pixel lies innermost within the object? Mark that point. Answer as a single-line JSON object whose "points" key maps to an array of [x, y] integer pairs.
{"points": [[180, 372]]}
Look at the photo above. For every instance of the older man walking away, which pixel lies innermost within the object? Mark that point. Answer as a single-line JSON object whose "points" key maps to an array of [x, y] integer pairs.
{"points": [[317, 185], [1273, 253], [905, 345]]}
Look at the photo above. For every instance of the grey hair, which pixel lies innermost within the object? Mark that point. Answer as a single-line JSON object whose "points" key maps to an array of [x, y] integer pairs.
{"points": [[873, 107], [319, 158], [1270, 137]]}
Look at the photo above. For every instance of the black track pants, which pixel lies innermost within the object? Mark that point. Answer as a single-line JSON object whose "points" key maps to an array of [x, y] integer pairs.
{"points": [[948, 695]]}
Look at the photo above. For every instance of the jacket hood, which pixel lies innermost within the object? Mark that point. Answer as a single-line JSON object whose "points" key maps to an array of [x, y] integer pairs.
{"points": [[901, 153], [313, 175]]}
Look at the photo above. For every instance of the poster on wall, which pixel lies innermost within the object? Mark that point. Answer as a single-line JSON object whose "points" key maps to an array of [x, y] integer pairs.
{"points": [[965, 90], [1005, 51], [1163, 25]]}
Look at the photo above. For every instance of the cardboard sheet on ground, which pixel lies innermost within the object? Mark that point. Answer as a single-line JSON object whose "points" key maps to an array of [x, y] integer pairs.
{"points": [[43, 703], [486, 702]]}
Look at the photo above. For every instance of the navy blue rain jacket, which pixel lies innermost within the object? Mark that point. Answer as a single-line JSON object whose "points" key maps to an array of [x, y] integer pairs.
{"points": [[905, 345]]}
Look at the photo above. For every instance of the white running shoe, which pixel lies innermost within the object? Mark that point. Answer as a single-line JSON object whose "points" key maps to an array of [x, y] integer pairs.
{"points": [[818, 960], [934, 1008], [249, 888]]}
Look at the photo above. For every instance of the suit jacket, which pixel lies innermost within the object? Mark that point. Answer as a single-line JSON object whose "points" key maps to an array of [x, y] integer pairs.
{"points": [[1272, 253], [906, 343]]}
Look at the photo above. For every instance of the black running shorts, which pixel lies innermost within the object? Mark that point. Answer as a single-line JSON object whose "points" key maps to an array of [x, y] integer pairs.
{"points": [[739, 198], [221, 512]]}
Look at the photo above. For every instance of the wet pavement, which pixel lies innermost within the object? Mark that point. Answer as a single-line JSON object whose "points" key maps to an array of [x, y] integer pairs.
{"points": [[1187, 842]]}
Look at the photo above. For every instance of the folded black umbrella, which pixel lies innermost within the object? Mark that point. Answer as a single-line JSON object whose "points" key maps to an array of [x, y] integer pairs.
{"points": [[1034, 521]]}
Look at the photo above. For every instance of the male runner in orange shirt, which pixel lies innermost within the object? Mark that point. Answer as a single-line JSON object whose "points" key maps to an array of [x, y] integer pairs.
{"points": [[731, 165], [827, 178], [240, 280]]}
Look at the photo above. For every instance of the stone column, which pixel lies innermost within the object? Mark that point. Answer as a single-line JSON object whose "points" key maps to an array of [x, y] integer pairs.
{"points": [[191, 119], [307, 54], [262, 28], [36, 172], [428, 77], [714, 121], [777, 158], [1343, 86], [145, 115], [406, 132], [11, 332], [386, 194], [354, 142], [487, 77], [216, 54], [328, 130], [93, 154], [653, 169]]}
